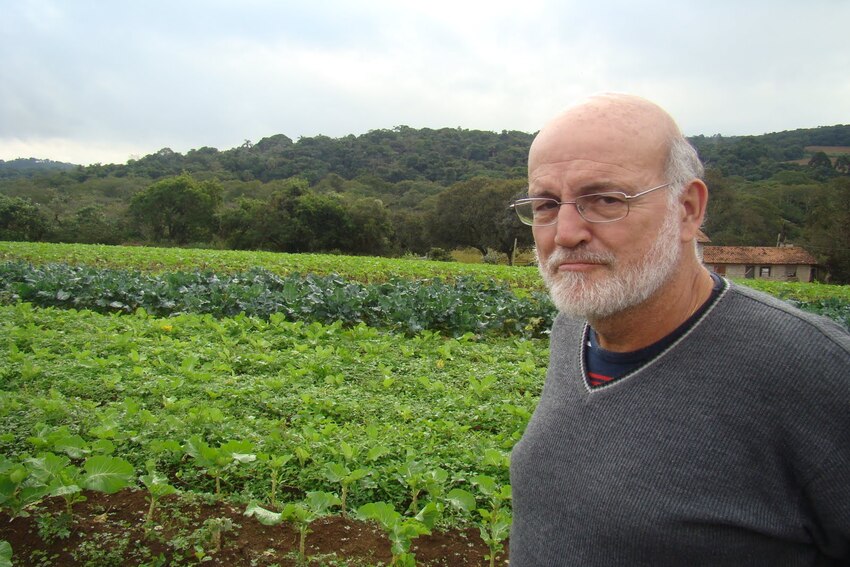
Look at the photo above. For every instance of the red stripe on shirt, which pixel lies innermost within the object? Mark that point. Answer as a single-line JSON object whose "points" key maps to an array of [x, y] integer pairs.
{"points": [[597, 380]]}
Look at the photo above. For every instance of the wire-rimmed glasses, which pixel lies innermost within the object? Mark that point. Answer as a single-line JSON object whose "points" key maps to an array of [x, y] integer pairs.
{"points": [[595, 207]]}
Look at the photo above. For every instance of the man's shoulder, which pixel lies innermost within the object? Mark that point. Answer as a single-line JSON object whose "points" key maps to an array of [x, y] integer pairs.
{"points": [[753, 311]]}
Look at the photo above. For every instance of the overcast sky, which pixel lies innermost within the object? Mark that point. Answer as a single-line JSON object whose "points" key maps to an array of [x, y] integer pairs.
{"points": [[86, 81]]}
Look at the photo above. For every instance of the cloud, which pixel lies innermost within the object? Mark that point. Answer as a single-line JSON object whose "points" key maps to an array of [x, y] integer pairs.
{"points": [[114, 79]]}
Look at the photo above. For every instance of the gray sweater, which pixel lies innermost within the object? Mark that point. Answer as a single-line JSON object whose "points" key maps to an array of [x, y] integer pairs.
{"points": [[732, 447]]}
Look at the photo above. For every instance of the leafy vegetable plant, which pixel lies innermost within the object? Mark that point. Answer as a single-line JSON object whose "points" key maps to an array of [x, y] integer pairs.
{"points": [[401, 530], [345, 477], [301, 514], [216, 460], [275, 464], [17, 490], [465, 305], [5, 554], [495, 519], [157, 486], [418, 477]]}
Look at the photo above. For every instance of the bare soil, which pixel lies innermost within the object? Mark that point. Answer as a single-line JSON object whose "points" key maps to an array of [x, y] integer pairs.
{"points": [[828, 150], [110, 530]]}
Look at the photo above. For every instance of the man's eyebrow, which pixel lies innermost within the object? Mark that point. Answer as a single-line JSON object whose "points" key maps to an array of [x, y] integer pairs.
{"points": [[587, 189], [541, 193], [599, 187]]}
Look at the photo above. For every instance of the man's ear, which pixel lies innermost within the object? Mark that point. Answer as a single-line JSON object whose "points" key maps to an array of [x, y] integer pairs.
{"points": [[693, 202]]}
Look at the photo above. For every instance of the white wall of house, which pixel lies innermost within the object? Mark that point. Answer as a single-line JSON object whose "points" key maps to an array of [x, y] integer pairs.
{"points": [[775, 272]]}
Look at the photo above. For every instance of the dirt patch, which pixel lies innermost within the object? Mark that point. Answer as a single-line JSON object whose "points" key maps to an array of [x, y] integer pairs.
{"points": [[828, 150], [110, 530]]}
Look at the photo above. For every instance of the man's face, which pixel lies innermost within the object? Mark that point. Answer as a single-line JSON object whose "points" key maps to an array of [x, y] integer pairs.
{"points": [[626, 280], [595, 270]]}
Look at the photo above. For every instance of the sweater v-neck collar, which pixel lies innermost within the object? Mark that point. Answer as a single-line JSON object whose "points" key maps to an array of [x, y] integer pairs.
{"points": [[635, 361]]}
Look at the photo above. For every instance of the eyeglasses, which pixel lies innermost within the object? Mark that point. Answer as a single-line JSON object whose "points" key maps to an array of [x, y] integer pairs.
{"points": [[596, 207]]}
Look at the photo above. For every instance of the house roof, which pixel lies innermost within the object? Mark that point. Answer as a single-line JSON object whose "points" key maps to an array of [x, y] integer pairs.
{"points": [[702, 237], [757, 255]]}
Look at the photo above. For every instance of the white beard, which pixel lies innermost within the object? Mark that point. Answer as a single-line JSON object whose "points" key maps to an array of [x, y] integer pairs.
{"points": [[576, 295]]}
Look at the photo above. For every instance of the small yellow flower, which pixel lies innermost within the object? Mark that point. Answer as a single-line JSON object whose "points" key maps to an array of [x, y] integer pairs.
{"points": [[440, 363], [167, 328]]}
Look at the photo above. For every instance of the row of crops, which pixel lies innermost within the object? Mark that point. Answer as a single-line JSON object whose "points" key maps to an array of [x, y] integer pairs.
{"points": [[390, 397], [355, 268], [453, 308], [122, 267]]}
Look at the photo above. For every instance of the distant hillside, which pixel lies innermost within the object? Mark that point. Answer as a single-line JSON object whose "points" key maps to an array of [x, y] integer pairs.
{"points": [[31, 166], [443, 156], [759, 157], [447, 155]]}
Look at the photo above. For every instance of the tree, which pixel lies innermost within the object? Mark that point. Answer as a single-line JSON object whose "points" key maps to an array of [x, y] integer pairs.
{"points": [[177, 209], [293, 219], [827, 232], [510, 234], [842, 164], [372, 228], [410, 232], [89, 225], [321, 223], [820, 167], [747, 220], [241, 226], [265, 224], [475, 213], [820, 159], [20, 219]]}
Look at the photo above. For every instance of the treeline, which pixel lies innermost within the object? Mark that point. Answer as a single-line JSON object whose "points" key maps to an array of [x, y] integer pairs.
{"points": [[334, 215], [392, 192]]}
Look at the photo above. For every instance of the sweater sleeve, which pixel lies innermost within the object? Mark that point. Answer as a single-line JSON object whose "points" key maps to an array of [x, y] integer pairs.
{"points": [[829, 496], [813, 383]]}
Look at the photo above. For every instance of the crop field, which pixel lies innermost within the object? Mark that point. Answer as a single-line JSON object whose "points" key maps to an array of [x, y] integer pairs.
{"points": [[177, 407], [359, 268], [829, 150]]}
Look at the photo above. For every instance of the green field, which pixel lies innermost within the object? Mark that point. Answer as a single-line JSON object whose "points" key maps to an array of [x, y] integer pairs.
{"points": [[359, 268], [417, 415], [156, 384], [149, 384]]}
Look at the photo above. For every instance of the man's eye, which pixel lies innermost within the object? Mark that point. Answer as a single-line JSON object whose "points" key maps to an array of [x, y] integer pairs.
{"points": [[602, 200], [547, 205]]}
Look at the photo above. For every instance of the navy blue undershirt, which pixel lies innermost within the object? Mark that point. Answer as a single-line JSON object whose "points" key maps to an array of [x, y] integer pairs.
{"points": [[605, 367]]}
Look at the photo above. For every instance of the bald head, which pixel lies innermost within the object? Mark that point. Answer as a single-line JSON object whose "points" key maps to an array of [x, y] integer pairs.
{"points": [[607, 125], [598, 268]]}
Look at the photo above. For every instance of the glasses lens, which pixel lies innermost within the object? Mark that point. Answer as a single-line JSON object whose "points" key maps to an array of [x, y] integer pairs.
{"points": [[524, 211], [537, 212], [603, 207]]}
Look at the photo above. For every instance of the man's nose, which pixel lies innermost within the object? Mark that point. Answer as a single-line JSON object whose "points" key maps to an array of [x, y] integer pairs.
{"points": [[571, 228]]}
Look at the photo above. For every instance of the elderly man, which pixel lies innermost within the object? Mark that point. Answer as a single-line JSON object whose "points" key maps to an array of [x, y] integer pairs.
{"points": [[685, 420]]}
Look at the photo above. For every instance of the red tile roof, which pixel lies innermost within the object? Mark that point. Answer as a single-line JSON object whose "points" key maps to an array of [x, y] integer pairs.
{"points": [[757, 255]]}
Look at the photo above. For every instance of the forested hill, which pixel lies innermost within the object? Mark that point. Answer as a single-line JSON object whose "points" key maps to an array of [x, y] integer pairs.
{"points": [[443, 156], [27, 167], [759, 157]]}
